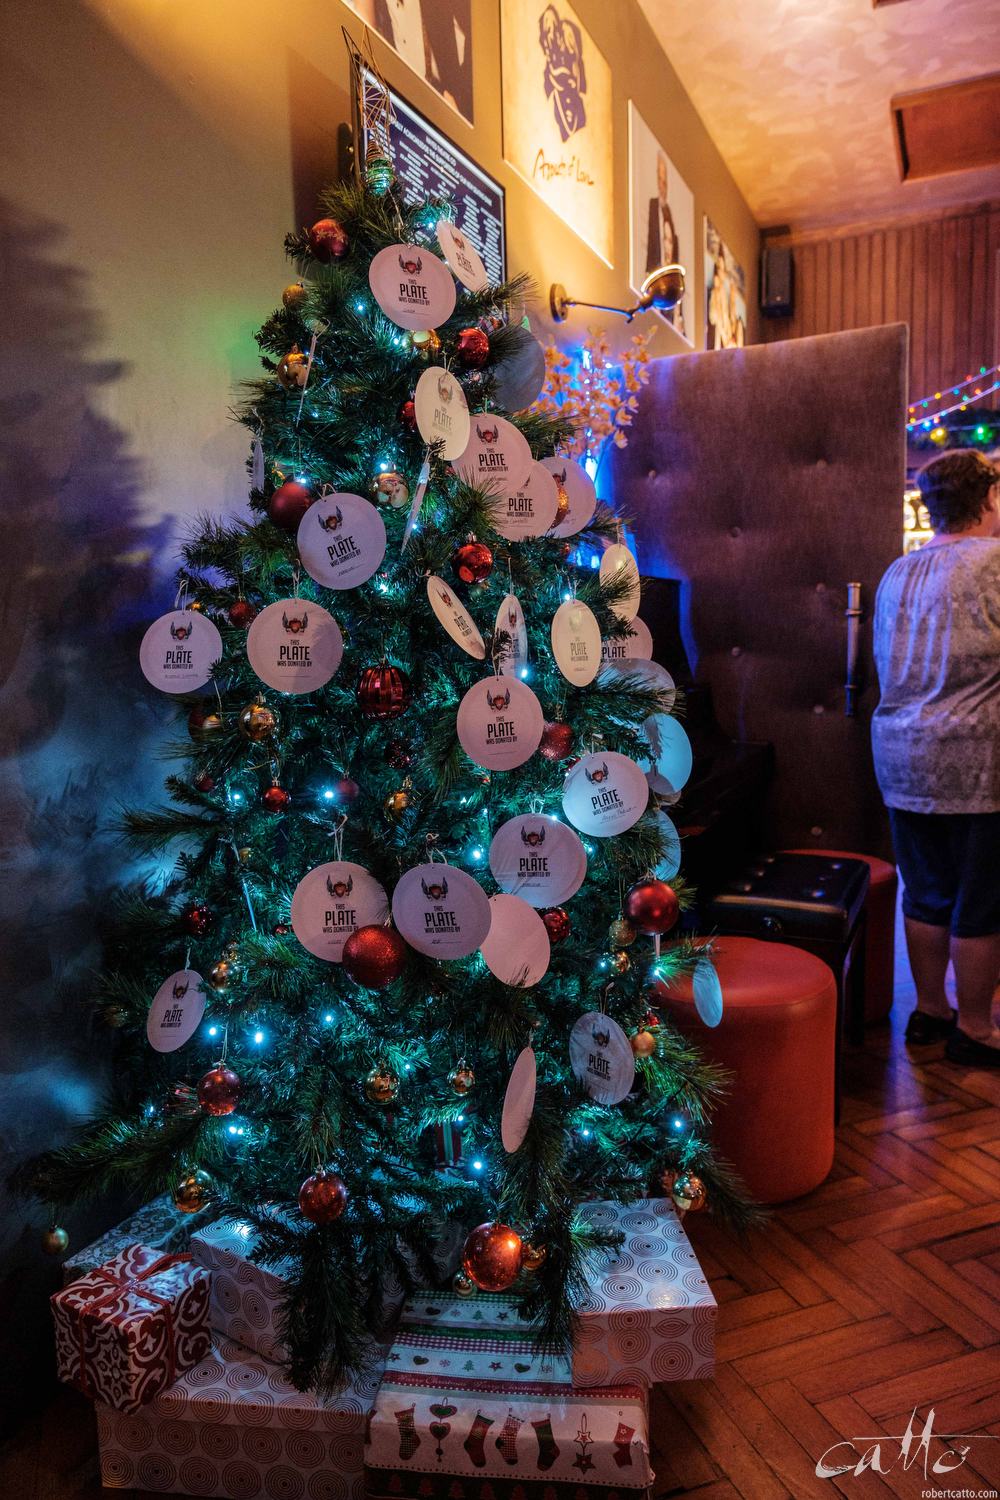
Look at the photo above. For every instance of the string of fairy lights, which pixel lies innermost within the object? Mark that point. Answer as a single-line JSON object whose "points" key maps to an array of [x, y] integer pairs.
{"points": [[972, 389]]}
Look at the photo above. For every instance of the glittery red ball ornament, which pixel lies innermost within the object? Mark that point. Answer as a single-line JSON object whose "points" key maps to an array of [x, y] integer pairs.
{"points": [[473, 562], [322, 1197], [473, 348], [398, 755], [345, 791], [289, 504], [276, 799], [491, 1257], [219, 1090], [241, 614], [408, 416], [557, 924], [328, 240], [556, 741], [197, 920], [384, 692], [374, 956], [651, 906], [204, 783]]}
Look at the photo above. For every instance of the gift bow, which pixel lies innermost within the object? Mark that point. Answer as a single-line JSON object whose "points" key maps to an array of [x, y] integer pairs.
{"points": [[122, 1285]]}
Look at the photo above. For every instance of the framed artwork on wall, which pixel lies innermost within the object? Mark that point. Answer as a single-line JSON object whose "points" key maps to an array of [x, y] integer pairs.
{"points": [[433, 37], [661, 219], [725, 294], [557, 116]]}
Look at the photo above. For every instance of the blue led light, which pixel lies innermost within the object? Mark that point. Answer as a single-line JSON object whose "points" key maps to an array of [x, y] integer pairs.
{"points": [[328, 794], [213, 1031], [677, 1123], [477, 853], [459, 1119], [258, 1037], [328, 1017], [585, 1131], [477, 1165], [360, 307]]}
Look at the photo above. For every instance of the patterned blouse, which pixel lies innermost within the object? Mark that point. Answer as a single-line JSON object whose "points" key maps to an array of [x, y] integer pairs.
{"points": [[936, 731]]}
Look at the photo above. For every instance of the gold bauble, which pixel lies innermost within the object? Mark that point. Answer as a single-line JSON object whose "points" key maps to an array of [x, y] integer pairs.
{"points": [[220, 974], [643, 1044], [689, 1193], [533, 1257], [114, 1015], [562, 508], [196, 605], [461, 1079], [244, 856], [395, 804], [294, 296], [193, 1192], [258, 722], [621, 934], [618, 963], [381, 1084], [426, 342], [462, 1285], [390, 488], [293, 369], [55, 1240]]}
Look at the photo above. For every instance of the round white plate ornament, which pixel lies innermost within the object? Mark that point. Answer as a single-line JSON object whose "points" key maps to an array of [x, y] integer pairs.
{"points": [[539, 859], [496, 457], [412, 286], [499, 723], [580, 493], [619, 650], [601, 1057], [331, 902], [530, 509], [295, 646], [618, 566], [442, 412], [604, 794], [179, 650], [517, 948], [441, 911], [707, 992], [519, 1100], [341, 541], [510, 620], [576, 642], [462, 256], [453, 615], [176, 1011], [669, 766], [671, 861]]}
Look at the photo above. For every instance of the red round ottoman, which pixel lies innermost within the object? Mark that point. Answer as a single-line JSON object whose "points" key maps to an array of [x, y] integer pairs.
{"points": [[880, 939], [777, 1038]]}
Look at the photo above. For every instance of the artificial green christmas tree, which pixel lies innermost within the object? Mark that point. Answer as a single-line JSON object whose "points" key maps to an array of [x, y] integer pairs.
{"points": [[322, 780]]}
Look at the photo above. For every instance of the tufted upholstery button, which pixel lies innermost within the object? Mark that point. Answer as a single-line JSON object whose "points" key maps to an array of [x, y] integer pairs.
{"points": [[745, 886], [758, 871], [816, 831], [651, 474], [821, 463], [735, 531], [821, 588], [818, 708], [736, 650]]}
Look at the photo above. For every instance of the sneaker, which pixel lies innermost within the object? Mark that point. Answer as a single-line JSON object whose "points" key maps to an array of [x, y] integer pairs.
{"points": [[963, 1049], [922, 1029]]}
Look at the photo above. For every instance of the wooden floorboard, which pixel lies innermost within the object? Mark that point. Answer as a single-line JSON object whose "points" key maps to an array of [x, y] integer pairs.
{"points": [[867, 1303]]}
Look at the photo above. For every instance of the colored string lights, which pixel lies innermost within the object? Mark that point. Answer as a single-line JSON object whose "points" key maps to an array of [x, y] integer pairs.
{"points": [[969, 390]]}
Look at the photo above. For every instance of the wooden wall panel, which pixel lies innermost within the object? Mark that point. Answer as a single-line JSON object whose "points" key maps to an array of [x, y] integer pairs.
{"points": [[938, 275]]}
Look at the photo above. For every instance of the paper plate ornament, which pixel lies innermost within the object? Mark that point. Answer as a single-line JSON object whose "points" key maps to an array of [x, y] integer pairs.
{"points": [[519, 1100], [295, 646], [412, 286], [341, 541], [623, 649], [176, 1011], [179, 650], [453, 615], [510, 622], [520, 376], [331, 903], [601, 1057], [496, 458], [669, 765], [707, 992], [671, 861], [441, 911], [539, 859], [618, 566], [441, 411], [604, 794], [577, 495], [530, 509], [499, 723], [462, 256], [576, 642], [517, 949]]}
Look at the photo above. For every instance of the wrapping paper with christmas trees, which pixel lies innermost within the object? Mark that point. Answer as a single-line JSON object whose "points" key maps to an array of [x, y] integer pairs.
{"points": [[233, 1427], [469, 1407], [648, 1314], [127, 1329], [158, 1224]]}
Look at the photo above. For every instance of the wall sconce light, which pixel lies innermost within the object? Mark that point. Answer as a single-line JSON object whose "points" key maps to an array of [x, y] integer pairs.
{"points": [[662, 289]]}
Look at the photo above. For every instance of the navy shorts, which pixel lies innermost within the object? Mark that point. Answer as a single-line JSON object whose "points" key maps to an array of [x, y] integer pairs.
{"points": [[950, 866]]}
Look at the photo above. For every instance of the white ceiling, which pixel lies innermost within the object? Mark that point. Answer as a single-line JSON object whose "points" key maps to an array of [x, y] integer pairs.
{"points": [[795, 94]]}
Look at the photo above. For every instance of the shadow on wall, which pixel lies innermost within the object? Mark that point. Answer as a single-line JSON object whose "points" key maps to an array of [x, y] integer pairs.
{"points": [[73, 723]]}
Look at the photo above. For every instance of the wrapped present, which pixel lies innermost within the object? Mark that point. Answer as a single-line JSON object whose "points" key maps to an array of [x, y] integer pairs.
{"points": [[468, 1407], [648, 1314], [159, 1225], [233, 1427], [126, 1330]]}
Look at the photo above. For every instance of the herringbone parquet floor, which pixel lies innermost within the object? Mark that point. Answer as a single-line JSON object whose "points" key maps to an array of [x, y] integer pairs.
{"points": [[876, 1297]]}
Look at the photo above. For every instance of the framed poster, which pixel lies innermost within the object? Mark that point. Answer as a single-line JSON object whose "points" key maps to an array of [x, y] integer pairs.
{"points": [[433, 37], [557, 120], [725, 294], [661, 219]]}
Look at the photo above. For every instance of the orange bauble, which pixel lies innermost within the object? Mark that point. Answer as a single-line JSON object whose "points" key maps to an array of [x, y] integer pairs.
{"points": [[492, 1257], [322, 1197]]}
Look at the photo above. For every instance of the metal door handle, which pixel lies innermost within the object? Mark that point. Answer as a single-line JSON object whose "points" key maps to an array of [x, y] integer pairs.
{"points": [[853, 616]]}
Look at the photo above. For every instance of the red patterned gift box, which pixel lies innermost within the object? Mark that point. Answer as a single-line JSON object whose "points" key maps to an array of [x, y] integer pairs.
{"points": [[468, 1407], [127, 1329], [232, 1427], [648, 1314]]}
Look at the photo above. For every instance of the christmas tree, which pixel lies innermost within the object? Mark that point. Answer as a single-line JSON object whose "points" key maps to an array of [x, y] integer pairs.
{"points": [[393, 732]]}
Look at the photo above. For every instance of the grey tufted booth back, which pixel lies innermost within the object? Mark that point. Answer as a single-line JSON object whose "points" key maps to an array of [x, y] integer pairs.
{"points": [[766, 479]]}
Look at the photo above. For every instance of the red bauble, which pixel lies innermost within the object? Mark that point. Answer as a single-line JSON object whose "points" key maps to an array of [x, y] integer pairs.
{"points": [[241, 614], [322, 1197], [289, 504], [473, 562], [328, 240], [384, 692], [345, 791], [197, 920], [281, 929], [556, 742], [219, 1090], [492, 1257], [557, 924], [374, 956], [276, 799], [473, 348], [651, 906], [204, 722], [398, 755], [204, 782], [408, 416]]}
